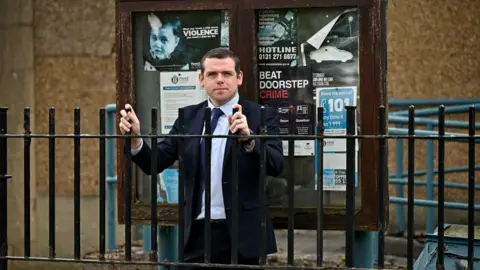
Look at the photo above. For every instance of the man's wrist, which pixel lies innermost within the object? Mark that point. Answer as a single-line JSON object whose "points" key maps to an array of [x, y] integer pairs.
{"points": [[249, 144], [136, 143]]}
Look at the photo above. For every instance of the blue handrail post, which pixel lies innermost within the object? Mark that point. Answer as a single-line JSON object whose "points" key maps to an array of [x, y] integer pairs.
{"points": [[430, 176], [147, 240], [167, 244], [399, 188], [364, 249], [111, 179]]}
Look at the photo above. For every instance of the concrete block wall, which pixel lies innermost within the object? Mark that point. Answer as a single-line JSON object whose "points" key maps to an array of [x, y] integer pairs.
{"points": [[60, 53], [17, 92]]}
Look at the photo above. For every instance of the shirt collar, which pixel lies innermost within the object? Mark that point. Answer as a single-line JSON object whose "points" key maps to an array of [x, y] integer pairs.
{"points": [[227, 107]]}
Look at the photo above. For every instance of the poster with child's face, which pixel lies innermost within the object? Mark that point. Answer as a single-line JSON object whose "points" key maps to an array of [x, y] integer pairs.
{"points": [[175, 41]]}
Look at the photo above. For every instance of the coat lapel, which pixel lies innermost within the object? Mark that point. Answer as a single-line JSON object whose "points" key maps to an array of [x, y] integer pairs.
{"points": [[228, 146]]}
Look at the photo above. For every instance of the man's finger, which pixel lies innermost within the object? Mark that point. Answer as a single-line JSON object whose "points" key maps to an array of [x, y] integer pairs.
{"points": [[237, 115], [130, 110], [126, 123], [238, 106], [239, 127], [123, 128], [239, 122]]}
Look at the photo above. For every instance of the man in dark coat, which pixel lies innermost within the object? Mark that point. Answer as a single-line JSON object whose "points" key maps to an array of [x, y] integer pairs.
{"points": [[220, 76]]}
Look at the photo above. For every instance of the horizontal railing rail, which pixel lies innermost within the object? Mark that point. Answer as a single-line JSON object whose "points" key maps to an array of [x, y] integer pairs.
{"points": [[411, 135]]}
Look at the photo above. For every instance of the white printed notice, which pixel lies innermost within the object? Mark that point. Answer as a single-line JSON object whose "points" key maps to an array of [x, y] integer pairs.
{"points": [[334, 100], [335, 172], [177, 90]]}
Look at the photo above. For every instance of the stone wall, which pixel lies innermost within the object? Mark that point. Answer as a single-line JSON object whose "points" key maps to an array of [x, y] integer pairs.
{"points": [[60, 53], [16, 93], [74, 67]]}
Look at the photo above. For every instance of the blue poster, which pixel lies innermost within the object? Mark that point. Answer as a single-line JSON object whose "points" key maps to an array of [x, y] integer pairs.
{"points": [[334, 100], [167, 188]]}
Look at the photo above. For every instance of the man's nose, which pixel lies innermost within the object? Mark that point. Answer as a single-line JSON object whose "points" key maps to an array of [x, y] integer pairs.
{"points": [[220, 79]]}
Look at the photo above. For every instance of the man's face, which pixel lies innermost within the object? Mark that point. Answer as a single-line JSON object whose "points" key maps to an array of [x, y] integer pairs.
{"points": [[220, 80], [163, 42]]}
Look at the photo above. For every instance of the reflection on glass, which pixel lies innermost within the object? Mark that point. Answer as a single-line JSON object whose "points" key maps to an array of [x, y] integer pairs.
{"points": [[308, 58]]}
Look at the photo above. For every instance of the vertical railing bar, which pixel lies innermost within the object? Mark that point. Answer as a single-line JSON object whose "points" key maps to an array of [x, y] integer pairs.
{"points": [[290, 186], [102, 176], [111, 183], [3, 190], [181, 185], [76, 183], [471, 187], [262, 186], [320, 131], [430, 177], [208, 158], [441, 187], [350, 196], [51, 183], [399, 188], [234, 190], [153, 186], [26, 172], [411, 185], [382, 179], [127, 189]]}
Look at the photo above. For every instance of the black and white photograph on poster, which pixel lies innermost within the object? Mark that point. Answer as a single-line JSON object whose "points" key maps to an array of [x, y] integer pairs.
{"points": [[289, 89], [328, 42], [277, 37], [174, 41], [224, 31]]}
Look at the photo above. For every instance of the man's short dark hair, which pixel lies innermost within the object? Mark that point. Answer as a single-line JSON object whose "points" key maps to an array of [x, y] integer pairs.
{"points": [[221, 53]]}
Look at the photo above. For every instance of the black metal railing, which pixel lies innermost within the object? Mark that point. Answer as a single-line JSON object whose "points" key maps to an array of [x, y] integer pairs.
{"points": [[351, 140]]}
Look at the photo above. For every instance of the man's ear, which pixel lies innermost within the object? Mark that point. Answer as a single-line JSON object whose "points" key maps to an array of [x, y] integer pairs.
{"points": [[200, 78], [240, 78]]}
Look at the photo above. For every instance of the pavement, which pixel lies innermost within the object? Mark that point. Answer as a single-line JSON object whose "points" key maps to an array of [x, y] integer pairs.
{"points": [[334, 249], [305, 251]]}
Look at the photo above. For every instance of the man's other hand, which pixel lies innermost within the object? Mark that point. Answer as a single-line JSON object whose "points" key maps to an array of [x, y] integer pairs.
{"points": [[133, 126], [238, 123]]}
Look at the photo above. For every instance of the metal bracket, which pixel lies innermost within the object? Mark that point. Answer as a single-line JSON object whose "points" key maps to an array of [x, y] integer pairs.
{"points": [[5, 177]]}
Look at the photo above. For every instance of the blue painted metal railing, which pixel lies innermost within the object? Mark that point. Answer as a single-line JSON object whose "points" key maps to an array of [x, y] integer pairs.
{"points": [[111, 178], [399, 119], [398, 178]]}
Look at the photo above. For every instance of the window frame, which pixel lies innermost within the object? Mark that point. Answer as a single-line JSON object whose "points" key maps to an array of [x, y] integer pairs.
{"points": [[372, 50]]}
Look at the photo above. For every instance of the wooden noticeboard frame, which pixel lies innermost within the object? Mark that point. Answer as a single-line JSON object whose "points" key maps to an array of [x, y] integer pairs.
{"points": [[372, 50]]}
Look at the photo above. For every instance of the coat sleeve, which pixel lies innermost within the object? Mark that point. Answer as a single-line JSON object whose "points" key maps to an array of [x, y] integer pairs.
{"points": [[273, 146], [167, 153]]}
